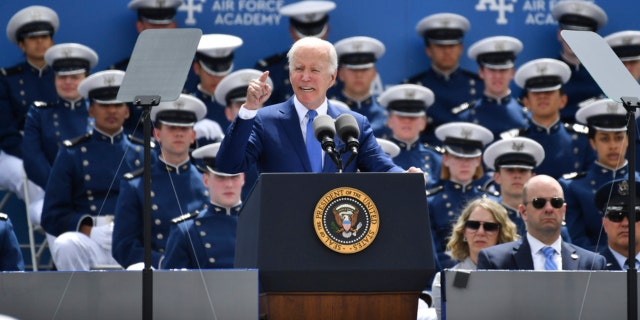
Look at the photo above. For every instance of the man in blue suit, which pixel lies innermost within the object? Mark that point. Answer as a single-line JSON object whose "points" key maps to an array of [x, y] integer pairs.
{"points": [[274, 137], [543, 210], [611, 199]]}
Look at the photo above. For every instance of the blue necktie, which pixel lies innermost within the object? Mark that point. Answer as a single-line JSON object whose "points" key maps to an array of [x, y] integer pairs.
{"points": [[549, 263], [314, 151]]}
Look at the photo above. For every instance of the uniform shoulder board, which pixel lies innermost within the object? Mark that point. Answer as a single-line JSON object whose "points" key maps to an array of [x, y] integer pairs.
{"points": [[76, 140], [489, 192], [185, 217], [415, 79], [470, 74], [573, 175], [462, 107], [41, 104], [437, 149], [271, 59], [4, 216], [133, 174], [513, 133], [434, 190], [139, 141], [576, 128], [11, 71]]}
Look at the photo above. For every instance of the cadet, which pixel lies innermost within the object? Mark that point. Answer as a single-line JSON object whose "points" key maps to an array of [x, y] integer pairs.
{"points": [[626, 45], [606, 120], [566, 145], [214, 61], [407, 105], [581, 89], [176, 184], [10, 252], [356, 72], [461, 181], [232, 93], [452, 85], [611, 200], [49, 123], [513, 161], [497, 110], [32, 30], [306, 19], [81, 194], [207, 239]]}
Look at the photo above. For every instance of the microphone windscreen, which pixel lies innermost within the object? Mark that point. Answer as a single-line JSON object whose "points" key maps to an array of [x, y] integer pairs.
{"points": [[347, 127], [323, 126]]}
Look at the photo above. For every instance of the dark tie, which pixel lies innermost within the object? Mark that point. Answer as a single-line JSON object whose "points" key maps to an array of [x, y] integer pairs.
{"points": [[549, 263], [314, 151], [626, 264]]}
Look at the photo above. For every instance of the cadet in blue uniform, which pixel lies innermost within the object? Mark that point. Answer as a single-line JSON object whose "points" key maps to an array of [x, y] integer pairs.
{"points": [[31, 29], [49, 123], [566, 145], [214, 61], [607, 125], [513, 161], [306, 19], [207, 239], [581, 89], [10, 252], [611, 200], [407, 105], [626, 45], [176, 184], [497, 110], [231, 92], [461, 181], [452, 85], [83, 186], [356, 72]]}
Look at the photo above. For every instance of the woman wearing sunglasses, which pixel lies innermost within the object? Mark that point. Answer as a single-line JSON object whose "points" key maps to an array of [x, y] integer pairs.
{"points": [[483, 223]]}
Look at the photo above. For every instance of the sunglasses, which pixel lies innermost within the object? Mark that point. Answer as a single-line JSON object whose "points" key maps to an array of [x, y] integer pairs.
{"points": [[617, 214], [539, 203], [488, 226]]}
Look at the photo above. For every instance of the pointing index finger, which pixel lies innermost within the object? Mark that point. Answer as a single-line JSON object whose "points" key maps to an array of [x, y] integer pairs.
{"points": [[264, 76]]}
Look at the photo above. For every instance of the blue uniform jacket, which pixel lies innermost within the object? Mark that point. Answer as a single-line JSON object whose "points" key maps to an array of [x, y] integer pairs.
{"points": [[584, 220], [420, 156], [273, 140], [612, 263], [207, 241], [278, 67], [516, 255], [20, 86], [174, 191], [497, 115], [445, 203], [10, 252], [370, 108], [46, 127], [84, 180]]}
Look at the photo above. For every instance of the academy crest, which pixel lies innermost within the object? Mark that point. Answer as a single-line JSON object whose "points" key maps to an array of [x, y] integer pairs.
{"points": [[346, 220]]}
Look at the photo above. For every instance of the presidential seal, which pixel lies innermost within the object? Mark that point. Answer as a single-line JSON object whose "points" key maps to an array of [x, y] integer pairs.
{"points": [[346, 220]]}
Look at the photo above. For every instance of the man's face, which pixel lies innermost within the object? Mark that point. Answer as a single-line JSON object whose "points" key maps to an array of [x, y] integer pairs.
{"points": [[109, 117], [610, 147], [67, 86], [35, 47], [634, 67], [543, 222], [444, 56], [208, 82], [461, 169], [496, 81], [310, 76], [224, 190], [357, 82], [174, 140], [406, 128], [511, 180], [546, 104], [618, 234]]}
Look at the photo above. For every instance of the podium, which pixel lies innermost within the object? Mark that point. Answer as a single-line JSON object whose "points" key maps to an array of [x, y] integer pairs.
{"points": [[302, 278]]}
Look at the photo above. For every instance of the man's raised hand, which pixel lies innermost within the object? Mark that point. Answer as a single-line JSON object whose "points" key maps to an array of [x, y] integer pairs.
{"points": [[258, 92]]}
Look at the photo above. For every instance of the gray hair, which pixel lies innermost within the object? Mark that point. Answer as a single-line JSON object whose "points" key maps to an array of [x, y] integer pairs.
{"points": [[314, 42]]}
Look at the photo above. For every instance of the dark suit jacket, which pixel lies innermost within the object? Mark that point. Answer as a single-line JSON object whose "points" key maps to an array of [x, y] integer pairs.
{"points": [[516, 255], [612, 263], [273, 140]]}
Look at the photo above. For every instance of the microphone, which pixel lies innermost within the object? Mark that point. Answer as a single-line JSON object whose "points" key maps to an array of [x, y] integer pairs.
{"points": [[348, 131], [324, 130]]}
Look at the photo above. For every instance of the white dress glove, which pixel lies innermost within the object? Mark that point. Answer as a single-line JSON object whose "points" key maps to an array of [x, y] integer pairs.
{"points": [[208, 129], [102, 235]]}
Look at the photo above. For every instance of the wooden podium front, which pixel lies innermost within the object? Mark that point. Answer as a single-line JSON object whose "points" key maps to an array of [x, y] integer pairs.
{"points": [[339, 305]]}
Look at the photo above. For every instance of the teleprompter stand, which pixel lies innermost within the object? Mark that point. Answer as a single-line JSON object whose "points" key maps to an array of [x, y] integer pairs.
{"points": [[618, 84], [156, 72]]}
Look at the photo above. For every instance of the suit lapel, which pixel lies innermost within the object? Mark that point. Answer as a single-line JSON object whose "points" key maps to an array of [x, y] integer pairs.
{"points": [[570, 259], [522, 255], [289, 121]]}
